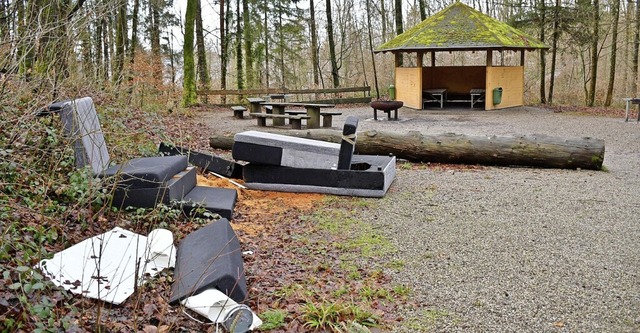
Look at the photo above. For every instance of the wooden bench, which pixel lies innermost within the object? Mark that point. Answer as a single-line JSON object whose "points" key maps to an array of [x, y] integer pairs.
{"points": [[437, 95], [294, 120], [477, 96], [255, 104], [313, 111], [238, 111], [327, 117]]}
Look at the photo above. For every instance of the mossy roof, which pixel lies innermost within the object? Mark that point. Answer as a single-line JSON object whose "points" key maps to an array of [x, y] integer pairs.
{"points": [[460, 27]]}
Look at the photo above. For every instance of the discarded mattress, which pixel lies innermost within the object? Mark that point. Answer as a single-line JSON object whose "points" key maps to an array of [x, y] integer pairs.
{"points": [[104, 266], [290, 164]]}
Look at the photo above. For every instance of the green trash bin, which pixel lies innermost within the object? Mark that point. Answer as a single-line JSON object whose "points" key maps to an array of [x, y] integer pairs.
{"points": [[392, 92], [497, 95]]}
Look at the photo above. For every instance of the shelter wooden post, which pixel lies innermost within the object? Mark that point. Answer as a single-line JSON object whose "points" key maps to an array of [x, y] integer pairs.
{"points": [[433, 58], [522, 58], [489, 57]]}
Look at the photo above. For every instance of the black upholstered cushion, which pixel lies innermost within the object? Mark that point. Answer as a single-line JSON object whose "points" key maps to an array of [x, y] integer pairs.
{"points": [[147, 171]]}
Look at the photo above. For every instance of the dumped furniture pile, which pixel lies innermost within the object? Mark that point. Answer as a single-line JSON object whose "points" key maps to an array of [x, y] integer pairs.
{"points": [[209, 275]]}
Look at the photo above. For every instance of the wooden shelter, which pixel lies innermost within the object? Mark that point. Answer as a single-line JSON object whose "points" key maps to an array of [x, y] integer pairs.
{"points": [[460, 28]]}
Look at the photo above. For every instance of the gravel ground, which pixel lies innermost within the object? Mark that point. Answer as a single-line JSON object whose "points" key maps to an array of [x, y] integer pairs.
{"points": [[512, 249]]}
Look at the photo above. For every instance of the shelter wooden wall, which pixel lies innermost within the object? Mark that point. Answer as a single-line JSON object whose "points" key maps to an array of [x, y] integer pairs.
{"points": [[408, 84], [458, 80], [511, 79]]}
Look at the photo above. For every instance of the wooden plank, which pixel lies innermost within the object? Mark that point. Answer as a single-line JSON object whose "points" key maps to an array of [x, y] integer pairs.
{"points": [[298, 104], [281, 116], [409, 86], [511, 79], [282, 91], [352, 100]]}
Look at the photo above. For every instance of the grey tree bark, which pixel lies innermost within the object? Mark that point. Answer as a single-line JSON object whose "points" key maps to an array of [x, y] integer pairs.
{"points": [[554, 48], [314, 43], [594, 53], [332, 47], [526, 150]]}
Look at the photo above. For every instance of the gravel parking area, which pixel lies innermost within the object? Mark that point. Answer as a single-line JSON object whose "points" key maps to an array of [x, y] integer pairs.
{"points": [[513, 249]]}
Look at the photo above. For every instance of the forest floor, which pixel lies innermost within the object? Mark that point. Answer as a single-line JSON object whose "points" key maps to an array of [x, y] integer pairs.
{"points": [[315, 261]]}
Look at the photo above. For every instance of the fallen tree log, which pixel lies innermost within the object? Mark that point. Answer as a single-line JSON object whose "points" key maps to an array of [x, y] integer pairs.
{"points": [[525, 150]]}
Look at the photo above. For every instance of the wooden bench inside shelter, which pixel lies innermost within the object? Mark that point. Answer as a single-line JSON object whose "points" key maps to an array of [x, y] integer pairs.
{"points": [[294, 120], [477, 96], [437, 95]]}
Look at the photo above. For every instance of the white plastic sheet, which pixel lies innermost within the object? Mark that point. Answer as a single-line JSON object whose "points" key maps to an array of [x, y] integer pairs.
{"points": [[108, 266]]}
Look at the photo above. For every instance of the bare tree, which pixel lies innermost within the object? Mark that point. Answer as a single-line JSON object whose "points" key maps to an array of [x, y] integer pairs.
{"points": [[399, 26], [203, 72], [543, 64], [634, 52], [239, 63], [554, 48], [594, 53], [314, 43], [332, 47], [189, 96], [615, 13]]}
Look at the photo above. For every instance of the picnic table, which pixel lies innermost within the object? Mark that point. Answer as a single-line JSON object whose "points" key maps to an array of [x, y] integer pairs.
{"points": [[438, 95], [313, 111]]}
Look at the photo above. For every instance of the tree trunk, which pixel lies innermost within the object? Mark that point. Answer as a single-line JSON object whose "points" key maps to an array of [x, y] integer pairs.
{"points": [[155, 8], [223, 50], [314, 43], [239, 63], [373, 58], [594, 53], [99, 65], [134, 30], [266, 45], [554, 52], [627, 37], [634, 57], [423, 10], [121, 41], [106, 47], [203, 69], [248, 45], [332, 47], [189, 96], [527, 150], [543, 63], [281, 46], [384, 23], [399, 27], [615, 12]]}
